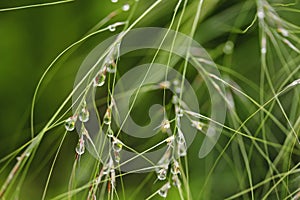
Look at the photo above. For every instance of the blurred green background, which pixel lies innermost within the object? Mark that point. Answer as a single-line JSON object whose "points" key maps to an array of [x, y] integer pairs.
{"points": [[31, 38]]}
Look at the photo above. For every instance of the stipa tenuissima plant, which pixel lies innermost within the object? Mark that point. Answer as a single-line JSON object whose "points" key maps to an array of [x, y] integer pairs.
{"points": [[156, 155]]}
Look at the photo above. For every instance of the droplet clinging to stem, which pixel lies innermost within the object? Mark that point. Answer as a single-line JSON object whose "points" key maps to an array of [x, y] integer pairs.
{"points": [[80, 148], [126, 7], [70, 123], [99, 79], [163, 191], [84, 115]]}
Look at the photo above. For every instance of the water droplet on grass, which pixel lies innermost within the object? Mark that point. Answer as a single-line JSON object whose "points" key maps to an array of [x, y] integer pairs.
{"points": [[117, 145], [260, 14], [180, 137], [175, 99], [283, 32], [126, 7], [110, 132], [70, 123], [80, 148], [111, 28], [108, 166], [181, 144], [263, 50], [177, 89], [165, 125], [228, 47], [176, 181], [175, 168], [162, 173], [99, 80], [112, 67], [165, 84], [179, 111], [163, 191], [263, 45], [181, 150], [105, 170], [84, 115], [170, 139], [107, 117], [198, 125], [176, 82], [295, 82]]}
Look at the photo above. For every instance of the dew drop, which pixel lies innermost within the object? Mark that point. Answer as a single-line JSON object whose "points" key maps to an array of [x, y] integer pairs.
{"points": [[126, 7], [263, 50], [70, 123], [228, 47], [80, 148], [181, 149], [198, 125], [179, 111], [177, 86], [165, 84], [110, 132], [163, 191], [283, 31], [180, 137], [180, 140], [177, 89], [170, 139], [162, 170], [175, 168], [108, 166], [176, 82], [162, 174], [175, 99], [295, 82], [117, 156], [263, 45], [84, 115], [181, 144], [111, 28], [165, 125], [99, 80], [176, 181], [117, 145], [111, 68], [260, 14], [107, 117], [105, 169]]}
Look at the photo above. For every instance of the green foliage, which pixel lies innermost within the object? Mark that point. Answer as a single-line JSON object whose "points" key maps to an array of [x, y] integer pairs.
{"points": [[255, 45]]}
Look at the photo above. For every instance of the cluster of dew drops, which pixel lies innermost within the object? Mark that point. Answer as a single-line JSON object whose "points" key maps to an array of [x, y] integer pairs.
{"points": [[176, 144], [82, 115]]}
